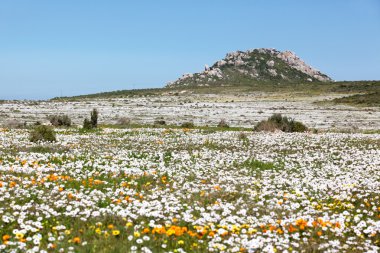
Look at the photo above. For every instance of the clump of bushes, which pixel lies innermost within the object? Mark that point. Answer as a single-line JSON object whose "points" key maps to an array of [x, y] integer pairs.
{"points": [[94, 118], [223, 123], [159, 122], [187, 124], [60, 120], [87, 124], [42, 133], [92, 122], [282, 123]]}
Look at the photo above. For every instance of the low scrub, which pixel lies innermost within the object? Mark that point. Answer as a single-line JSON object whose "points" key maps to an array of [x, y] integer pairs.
{"points": [[223, 123], [42, 133], [92, 122], [60, 120], [187, 125], [159, 122], [277, 122], [369, 99]]}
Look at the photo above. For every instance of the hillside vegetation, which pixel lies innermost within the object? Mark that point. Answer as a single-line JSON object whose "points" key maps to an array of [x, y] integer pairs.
{"points": [[253, 66], [369, 99], [372, 88]]}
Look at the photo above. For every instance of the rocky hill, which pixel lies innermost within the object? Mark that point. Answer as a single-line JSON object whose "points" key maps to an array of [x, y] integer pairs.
{"points": [[257, 65]]}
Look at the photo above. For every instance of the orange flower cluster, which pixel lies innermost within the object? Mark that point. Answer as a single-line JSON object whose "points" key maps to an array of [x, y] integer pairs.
{"points": [[271, 228], [53, 178], [172, 230], [301, 223], [179, 231], [321, 223], [6, 239], [91, 182]]}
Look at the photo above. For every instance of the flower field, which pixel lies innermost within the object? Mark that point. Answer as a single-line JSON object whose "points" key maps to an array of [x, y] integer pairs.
{"points": [[182, 190]]}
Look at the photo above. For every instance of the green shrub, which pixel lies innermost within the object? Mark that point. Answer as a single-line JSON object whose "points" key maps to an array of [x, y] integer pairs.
{"points": [[87, 124], [42, 133], [254, 164], [159, 122], [187, 125], [298, 127], [92, 122], [278, 122], [60, 120], [94, 118]]}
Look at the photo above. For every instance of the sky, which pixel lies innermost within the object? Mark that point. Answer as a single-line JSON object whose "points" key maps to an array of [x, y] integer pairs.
{"points": [[64, 48]]}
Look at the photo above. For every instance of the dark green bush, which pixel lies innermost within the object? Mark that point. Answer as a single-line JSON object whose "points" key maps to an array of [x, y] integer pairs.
{"points": [[87, 124], [94, 118], [159, 122], [42, 133], [298, 127], [278, 122], [187, 125], [60, 120], [92, 122]]}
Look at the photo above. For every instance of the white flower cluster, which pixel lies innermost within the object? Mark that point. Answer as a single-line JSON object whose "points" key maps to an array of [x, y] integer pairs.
{"points": [[211, 191]]}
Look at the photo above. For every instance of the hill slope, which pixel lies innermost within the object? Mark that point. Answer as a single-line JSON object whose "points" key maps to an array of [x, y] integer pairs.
{"points": [[257, 65]]}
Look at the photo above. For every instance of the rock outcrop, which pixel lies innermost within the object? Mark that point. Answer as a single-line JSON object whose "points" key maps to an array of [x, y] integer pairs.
{"points": [[264, 64]]}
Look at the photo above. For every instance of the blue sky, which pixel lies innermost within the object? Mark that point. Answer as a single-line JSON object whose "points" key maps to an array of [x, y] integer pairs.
{"points": [[52, 48]]}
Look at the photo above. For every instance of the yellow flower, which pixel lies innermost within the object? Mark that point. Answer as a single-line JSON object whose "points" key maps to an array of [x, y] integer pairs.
{"points": [[136, 234], [19, 236], [98, 231], [180, 242], [129, 224], [170, 232], [115, 232], [67, 232]]}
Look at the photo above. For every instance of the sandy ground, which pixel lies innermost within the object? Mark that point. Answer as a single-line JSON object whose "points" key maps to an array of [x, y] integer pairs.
{"points": [[238, 110]]}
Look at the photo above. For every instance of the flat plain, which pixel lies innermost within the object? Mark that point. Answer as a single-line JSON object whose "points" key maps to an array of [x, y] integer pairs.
{"points": [[140, 188], [241, 110]]}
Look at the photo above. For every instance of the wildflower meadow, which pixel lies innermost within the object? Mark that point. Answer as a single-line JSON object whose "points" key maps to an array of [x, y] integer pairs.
{"points": [[189, 190]]}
